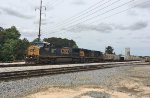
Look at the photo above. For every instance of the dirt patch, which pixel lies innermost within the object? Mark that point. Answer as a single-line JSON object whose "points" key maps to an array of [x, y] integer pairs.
{"points": [[136, 82], [94, 94], [82, 92], [129, 90], [143, 77]]}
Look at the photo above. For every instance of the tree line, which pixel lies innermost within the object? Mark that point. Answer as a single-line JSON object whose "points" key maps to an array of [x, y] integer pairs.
{"points": [[12, 47]]}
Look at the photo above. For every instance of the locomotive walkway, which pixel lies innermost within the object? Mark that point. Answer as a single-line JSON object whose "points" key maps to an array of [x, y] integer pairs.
{"points": [[7, 73]]}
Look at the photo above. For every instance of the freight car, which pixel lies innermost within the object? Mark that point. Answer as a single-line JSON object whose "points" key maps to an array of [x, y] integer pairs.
{"points": [[42, 52], [112, 57], [147, 59]]}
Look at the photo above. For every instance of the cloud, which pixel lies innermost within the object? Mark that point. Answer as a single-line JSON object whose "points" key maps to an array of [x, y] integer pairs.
{"points": [[48, 8], [14, 12], [78, 2], [146, 37], [133, 27], [107, 28], [144, 5], [43, 22], [51, 22], [28, 33], [120, 38], [133, 12], [102, 28], [145, 41]]}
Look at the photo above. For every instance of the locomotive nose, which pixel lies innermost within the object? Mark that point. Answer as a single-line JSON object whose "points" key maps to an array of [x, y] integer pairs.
{"points": [[33, 51]]}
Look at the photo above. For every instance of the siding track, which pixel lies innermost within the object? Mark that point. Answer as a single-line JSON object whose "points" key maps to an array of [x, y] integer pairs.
{"points": [[13, 75]]}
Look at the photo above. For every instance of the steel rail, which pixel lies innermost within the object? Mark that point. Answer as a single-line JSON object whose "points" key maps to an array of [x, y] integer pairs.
{"points": [[4, 76]]}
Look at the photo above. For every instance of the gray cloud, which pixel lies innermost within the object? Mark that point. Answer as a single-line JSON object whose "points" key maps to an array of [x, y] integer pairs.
{"points": [[133, 12], [144, 5], [14, 12], [44, 22], [29, 33], [145, 41], [102, 28], [146, 37], [48, 8], [78, 2], [140, 7], [120, 38], [107, 28], [51, 22], [136, 26]]}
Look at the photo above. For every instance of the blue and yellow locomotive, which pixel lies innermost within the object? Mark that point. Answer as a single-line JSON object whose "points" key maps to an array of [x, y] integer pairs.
{"points": [[43, 52]]}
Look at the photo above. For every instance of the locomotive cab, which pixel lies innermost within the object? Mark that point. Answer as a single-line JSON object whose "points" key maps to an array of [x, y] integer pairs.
{"points": [[33, 51]]}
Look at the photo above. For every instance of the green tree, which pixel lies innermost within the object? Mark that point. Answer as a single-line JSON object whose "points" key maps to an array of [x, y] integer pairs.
{"points": [[2, 35], [35, 40], [109, 50], [21, 48], [59, 42], [12, 33], [11, 47], [1, 39], [8, 50]]}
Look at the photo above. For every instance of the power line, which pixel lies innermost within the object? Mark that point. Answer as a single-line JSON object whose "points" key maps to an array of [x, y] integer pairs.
{"points": [[89, 9], [104, 13], [117, 12], [81, 18], [90, 14]]}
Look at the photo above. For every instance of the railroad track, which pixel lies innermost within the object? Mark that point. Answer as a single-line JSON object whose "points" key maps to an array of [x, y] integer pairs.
{"points": [[4, 76], [19, 65], [23, 65]]}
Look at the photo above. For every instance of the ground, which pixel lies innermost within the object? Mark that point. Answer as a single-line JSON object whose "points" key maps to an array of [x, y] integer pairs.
{"points": [[133, 82]]}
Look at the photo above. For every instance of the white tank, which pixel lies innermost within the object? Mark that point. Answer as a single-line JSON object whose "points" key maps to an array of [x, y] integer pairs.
{"points": [[127, 53]]}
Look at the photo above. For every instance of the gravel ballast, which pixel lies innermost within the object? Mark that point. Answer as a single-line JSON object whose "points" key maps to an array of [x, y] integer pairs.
{"points": [[20, 88]]}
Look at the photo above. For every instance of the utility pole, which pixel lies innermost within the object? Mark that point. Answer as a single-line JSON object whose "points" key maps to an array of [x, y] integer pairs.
{"points": [[40, 20]]}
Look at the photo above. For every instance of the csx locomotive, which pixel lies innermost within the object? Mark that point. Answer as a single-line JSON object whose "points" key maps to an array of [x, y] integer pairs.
{"points": [[43, 52]]}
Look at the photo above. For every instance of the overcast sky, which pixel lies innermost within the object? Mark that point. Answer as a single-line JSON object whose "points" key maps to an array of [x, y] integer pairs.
{"points": [[93, 24]]}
